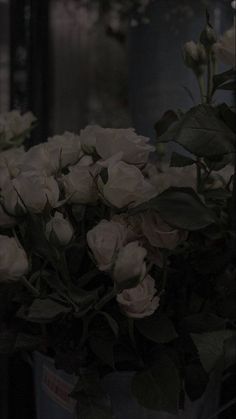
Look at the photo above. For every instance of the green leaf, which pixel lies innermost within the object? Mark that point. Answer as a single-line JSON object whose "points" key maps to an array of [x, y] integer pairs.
{"points": [[195, 380], [202, 133], [228, 116], [220, 79], [203, 322], [210, 346], [158, 387], [111, 322], [165, 122], [103, 347], [181, 208], [228, 86], [178, 160], [158, 328], [46, 310]]}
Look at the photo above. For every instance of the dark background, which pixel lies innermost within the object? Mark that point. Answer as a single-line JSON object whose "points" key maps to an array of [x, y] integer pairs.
{"points": [[75, 62]]}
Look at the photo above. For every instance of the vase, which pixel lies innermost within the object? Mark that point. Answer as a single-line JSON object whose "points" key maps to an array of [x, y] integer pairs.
{"points": [[52, 389]]}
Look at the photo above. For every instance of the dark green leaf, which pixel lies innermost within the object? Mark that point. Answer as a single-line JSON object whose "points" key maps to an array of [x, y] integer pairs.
{"points": [[165, 122], [103, 348], [210, 346], [228, 86], [111, 322], [228, 116], [196, 380], [203, 322], [158, 328], [158, 387], [178, 160], [46, 310], [220, 79], [181, 208], [202, 133]]}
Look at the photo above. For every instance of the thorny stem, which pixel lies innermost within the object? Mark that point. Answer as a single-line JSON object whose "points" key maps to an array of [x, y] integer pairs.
{"points": [[30, 287]]}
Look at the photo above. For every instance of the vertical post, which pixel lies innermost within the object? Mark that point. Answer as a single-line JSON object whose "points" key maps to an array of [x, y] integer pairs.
{"points": [[39, 82], [29, 45]]}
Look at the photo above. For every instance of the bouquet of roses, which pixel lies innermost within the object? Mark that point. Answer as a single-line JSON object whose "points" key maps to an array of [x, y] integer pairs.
{"points": [[110, 260]]}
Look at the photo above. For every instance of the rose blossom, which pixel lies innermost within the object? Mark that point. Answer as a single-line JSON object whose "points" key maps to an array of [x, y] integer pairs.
{"points": [[130, 263], [10, 163], [140, 301], [6, 221], [13, 124], [225, 48], [88, 138], [160, 234], [79, 184], [59, 230], [29, 191], [104, 240], [13, 260], [38, 159], [65, 148], [135, 148], [126, 186]]}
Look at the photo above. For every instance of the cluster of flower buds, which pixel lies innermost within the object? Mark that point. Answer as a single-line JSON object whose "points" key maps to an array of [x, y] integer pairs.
{"points": [[195, 56]]}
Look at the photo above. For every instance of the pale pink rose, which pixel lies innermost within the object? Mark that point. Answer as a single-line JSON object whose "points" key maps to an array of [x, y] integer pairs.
{"points": [[126, 186], [29, 191], [105, 240], [135, 148], [13, 259], [159, 234], [140, 301], [130, 263], [79, 184], [6, 221], [59, 230], [65, 148], [226, 48]]}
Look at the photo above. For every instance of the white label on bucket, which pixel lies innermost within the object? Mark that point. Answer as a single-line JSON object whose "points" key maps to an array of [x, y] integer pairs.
{"points": [[58, 389]]}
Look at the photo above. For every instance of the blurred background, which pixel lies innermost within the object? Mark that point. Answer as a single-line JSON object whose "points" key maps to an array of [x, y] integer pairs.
{"points": [[116, 63]]}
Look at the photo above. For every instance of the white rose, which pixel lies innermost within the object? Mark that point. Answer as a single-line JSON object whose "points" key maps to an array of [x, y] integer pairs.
{"points": [[13, 259], [79, 184], [65, 148], [140, 301], [59, 230], [225, 48], [39, 159], [126, 186], [105, 240], [135, 149], [13, 124], [88, 138], [10, 163], [6, 221], [31, 192], [159, 234], [130, 263]]}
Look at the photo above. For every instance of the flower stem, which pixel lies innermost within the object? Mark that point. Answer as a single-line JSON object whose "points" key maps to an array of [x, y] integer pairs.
{"points": [[209, 76], [30, 287], [201, 85]]}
